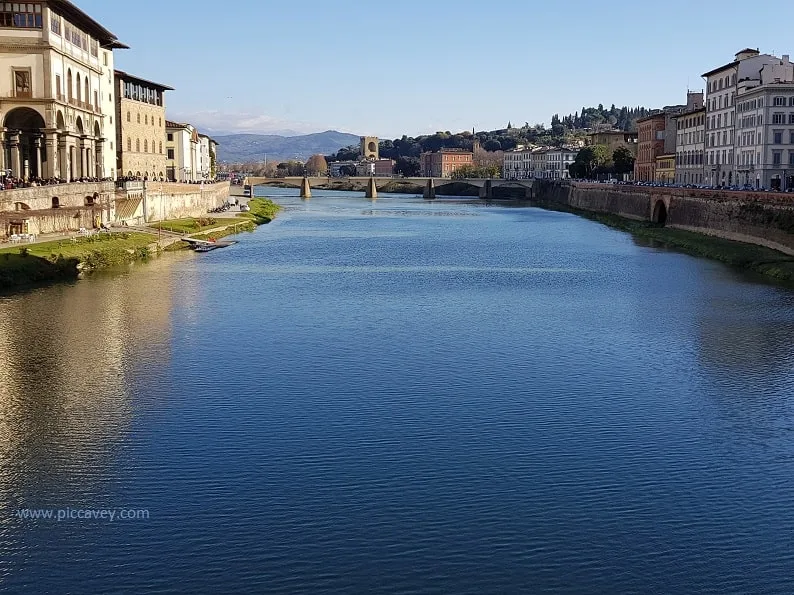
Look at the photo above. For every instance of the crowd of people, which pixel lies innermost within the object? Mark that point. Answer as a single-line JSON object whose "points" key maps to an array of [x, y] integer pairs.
{"points": [[12, 183]]}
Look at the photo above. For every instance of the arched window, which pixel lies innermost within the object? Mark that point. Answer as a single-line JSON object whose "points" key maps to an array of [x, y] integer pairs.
{"points": [[129, 143], [56, 203], [79, 89], [69, 89], [138, 147], [160, 122], [161, 147], [146, 119], [145, 146], [96, 100], [87, 91], [129, 118], [139, 118]]}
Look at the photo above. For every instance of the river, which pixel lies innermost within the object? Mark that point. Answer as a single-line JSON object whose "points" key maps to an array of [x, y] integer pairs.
{"points": [[402, 396]]}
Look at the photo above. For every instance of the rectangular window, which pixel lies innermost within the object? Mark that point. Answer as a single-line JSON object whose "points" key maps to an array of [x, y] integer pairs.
{"points": [[58, 92], [55, 24], [22, 83], [778, 136], [778, 118], [791, 118], [779, 101], [23, 15], [776, 158], [791, 157], [170, 137]]}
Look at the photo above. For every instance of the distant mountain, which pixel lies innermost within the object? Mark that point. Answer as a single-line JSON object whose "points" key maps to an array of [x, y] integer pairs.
{"points": [[237, 148]]}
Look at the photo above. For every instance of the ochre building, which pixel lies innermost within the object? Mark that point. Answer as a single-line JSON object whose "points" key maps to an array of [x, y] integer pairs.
{"points": [[141, 133]]}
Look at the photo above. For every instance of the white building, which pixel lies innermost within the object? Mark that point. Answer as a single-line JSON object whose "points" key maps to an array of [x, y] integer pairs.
{"points": [[557, 162], [57, 97], [517, 164], [765, 129], [183, 153], [206, 158], [722, 87]]}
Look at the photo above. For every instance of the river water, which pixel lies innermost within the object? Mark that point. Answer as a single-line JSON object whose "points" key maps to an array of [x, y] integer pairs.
{"points": [[400, 396]]}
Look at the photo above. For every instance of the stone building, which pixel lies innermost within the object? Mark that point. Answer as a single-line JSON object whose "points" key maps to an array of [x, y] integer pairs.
{"points": [[443, 163], [140, 134], [370, 148], [56, 92], [614, 139]]}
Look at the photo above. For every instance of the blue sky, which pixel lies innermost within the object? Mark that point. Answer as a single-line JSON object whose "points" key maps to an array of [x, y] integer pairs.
{"points": [[417, 66]]}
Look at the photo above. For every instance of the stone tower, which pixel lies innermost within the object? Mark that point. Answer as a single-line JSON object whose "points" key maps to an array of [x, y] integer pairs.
{"points": [[369, 148]]}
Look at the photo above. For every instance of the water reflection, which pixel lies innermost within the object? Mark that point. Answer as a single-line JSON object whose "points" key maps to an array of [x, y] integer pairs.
{"points": [[69, 359]]}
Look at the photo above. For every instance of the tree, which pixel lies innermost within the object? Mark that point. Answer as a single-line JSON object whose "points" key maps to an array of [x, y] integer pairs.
{"points": [[624, 160], [407, 166], [590, 161], [492, 145], [316, 165]]}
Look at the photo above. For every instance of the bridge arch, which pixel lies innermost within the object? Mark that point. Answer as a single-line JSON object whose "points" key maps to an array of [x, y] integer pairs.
{"points": [[659, 215]]}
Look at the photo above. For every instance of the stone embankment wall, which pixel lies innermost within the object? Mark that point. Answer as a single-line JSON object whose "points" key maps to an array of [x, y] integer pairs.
{"points": [[167, 200], [57, 208], [763, 218]]}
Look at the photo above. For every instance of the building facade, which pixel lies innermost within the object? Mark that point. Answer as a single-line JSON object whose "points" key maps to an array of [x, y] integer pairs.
{"points": [[664, 170], [557, 163], [140, 134], [650, 132], [723, 84], [182, 152], [614, 139], [765, 135], [690, 145], [56, 92], [370, 148], [517, 164], [206, 158], [443, 163]]}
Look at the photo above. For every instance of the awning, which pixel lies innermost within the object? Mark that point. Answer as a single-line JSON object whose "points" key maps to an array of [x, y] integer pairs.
{"points": [[128, 209]]}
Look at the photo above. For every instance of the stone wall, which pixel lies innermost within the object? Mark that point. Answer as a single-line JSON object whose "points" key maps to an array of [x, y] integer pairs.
{"points": [[69, 195], [167, 200], [762, 218]]}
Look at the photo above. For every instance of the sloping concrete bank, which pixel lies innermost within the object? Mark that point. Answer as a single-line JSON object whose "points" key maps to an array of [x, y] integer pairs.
{"points": [[750, 230]]}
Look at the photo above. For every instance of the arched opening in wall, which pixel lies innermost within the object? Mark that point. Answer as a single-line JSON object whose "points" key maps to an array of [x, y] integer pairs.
{"points": [[372, 147], [25, 128], [21, 206], [60, 123], [162, 177], [79, 89], [660, 213], [69, 85], [78, 124], [56, 202], [89, 201]]}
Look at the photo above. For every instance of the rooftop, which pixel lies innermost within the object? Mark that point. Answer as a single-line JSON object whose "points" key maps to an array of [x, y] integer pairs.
{"points": [[74, 15], [136, 79]]}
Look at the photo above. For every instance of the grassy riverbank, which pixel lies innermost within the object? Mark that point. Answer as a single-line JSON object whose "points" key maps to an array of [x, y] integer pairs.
{"points": [[63, 259], [759, 259], [192, 225]]}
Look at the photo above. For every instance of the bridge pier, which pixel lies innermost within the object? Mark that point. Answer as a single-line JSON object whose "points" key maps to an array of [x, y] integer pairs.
{"points": [[486, 191], [306, 188], [372, 189], [430, 190]]}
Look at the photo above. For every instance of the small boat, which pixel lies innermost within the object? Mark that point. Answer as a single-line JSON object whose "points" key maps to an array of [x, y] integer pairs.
{"points": [[207, 245]]}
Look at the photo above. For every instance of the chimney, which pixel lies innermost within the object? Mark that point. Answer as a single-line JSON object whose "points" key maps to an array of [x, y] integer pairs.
{"points": [[786, 59]]}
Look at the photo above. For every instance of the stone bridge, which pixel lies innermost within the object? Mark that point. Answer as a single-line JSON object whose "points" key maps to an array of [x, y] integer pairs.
{"points": [[370, 186]]}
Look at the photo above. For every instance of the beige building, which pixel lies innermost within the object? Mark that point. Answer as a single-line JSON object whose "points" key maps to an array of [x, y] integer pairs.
{"points": [[56, 92], [141, 133], [183, 153]]}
